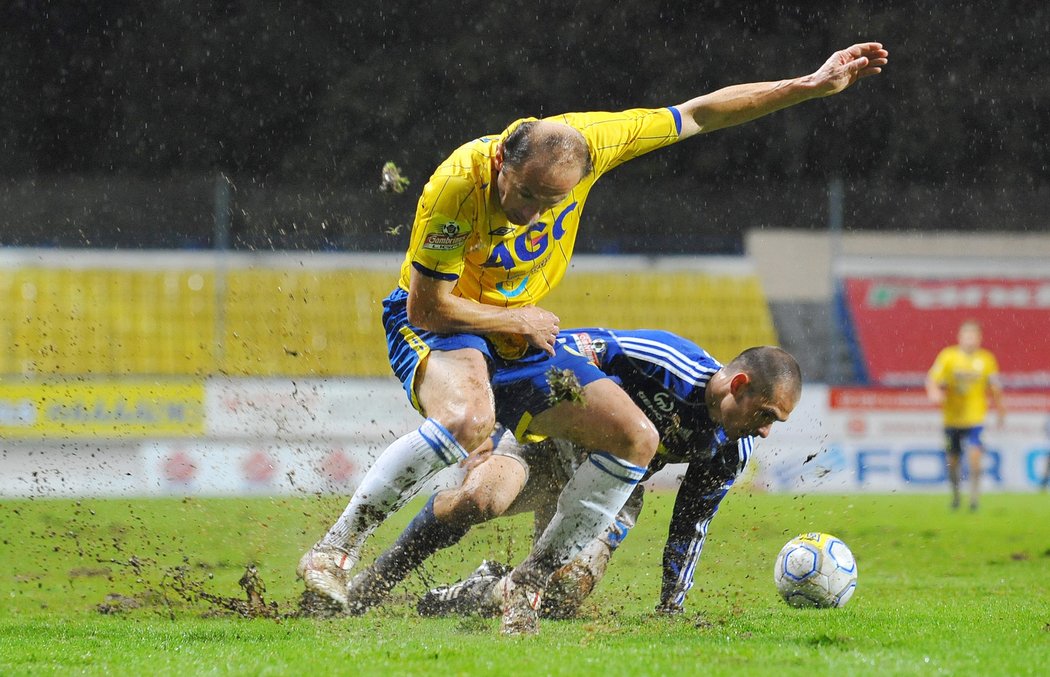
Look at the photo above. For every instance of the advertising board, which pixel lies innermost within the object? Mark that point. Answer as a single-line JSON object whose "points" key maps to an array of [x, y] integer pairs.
{"points": [[900, 323]]}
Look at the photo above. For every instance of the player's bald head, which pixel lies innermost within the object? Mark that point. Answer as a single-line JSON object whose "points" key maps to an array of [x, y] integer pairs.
{"points": [[554, 144], [770, 369]]}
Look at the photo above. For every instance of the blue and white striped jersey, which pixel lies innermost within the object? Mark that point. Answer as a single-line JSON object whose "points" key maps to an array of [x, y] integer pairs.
{"points": [[667, 376]]}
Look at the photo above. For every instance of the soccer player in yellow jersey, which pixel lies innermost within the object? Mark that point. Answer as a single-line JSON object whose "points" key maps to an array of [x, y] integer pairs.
{"points": [[960, 380], [494, 231]]}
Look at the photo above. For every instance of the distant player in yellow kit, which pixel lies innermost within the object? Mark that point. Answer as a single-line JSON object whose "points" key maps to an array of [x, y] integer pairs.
{"points": [[961, 380]]}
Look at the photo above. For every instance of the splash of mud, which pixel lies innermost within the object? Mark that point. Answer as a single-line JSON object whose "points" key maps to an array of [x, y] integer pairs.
{"points": [[252, 606], [564, 386], [180, 582]]}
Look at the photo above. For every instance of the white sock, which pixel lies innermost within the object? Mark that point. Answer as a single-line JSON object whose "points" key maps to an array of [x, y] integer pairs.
{"points": [[392, 480], [588, 504]]}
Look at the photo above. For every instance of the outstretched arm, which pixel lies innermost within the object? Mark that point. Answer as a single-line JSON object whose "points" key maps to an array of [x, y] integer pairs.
{"points": [[704, 487], [737, 104]]}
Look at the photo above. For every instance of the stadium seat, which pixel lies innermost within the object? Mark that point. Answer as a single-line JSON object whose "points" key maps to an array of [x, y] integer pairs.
{"points": [[257, 321]]}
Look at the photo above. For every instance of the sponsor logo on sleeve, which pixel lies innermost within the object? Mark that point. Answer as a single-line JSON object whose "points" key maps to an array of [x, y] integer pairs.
{"points": [[586, 347], [449, 237]]}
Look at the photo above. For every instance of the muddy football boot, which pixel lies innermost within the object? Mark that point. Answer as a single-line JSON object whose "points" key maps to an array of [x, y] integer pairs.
{"points": [[325, 569], [567, 589], [476, 594], [521, 605]]}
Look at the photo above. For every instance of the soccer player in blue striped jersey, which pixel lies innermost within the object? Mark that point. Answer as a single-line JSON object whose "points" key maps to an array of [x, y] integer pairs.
{"points": [[707, 416]]}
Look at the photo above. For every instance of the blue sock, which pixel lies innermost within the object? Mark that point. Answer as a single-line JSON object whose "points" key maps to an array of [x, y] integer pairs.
{"points": [[423, 536]]}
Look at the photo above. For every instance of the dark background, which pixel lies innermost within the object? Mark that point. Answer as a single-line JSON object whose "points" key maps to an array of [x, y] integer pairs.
{"points": [[119, 119]]}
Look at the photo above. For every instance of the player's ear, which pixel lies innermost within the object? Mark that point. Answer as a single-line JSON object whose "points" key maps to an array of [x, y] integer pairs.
{"points": [[497, 159], [738, 384]]}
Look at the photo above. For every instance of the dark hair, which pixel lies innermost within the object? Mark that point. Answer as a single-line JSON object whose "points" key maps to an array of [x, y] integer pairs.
{"points": [[769, 368], [522, 143]]}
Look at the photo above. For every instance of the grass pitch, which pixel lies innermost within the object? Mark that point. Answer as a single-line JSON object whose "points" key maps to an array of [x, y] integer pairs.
{"points": [[92, 587]]}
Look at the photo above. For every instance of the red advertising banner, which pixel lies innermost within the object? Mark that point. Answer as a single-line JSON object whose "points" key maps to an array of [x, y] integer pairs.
{"points": [[912, 400], [900, 324]]}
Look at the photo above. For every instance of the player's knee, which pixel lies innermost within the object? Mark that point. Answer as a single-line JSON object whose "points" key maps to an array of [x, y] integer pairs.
{"points": [[487, 506], [455, 392], [469, 425], [474, 507], [640, 443]]}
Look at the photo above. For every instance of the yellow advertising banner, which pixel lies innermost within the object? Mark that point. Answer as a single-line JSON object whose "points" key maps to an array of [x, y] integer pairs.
{"points": [[108, 408]]}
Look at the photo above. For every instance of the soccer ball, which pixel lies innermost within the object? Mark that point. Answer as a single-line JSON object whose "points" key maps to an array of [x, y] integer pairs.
{"points": [[815, 570]]}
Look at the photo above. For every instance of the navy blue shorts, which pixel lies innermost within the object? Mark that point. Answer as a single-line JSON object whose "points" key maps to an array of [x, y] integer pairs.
{"points": [[956, 438], [520, 385], [522, 388]]}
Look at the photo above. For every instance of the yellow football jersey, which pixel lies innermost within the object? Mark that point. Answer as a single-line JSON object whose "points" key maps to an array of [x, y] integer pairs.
{"points": [[460, 233], [966, 377]]}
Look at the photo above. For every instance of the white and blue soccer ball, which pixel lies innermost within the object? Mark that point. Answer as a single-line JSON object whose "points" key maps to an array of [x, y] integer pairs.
{"points": [[816, 570]]}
